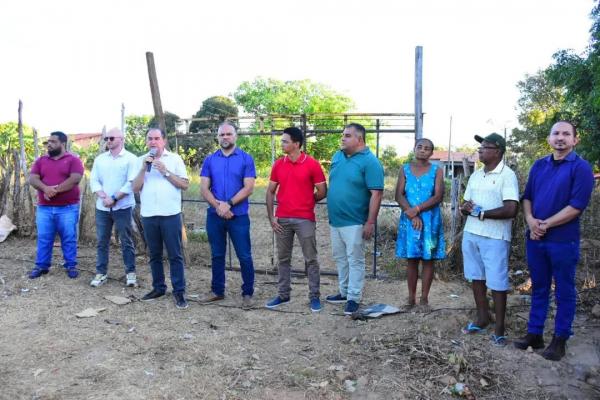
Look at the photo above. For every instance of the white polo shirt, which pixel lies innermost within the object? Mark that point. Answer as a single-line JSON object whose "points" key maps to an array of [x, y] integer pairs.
{"points": [[490, 190], [114, 174], [158, 196]]}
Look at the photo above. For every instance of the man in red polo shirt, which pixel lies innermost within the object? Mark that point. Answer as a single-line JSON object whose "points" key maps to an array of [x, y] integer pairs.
{"points": [[294, 178], [56, 177]]}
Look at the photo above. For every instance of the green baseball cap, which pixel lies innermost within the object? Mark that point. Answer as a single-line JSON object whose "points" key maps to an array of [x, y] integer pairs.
{"points": [[493, 138]]}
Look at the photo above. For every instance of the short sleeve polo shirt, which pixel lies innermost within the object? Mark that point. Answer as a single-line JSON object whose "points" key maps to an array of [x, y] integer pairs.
{"points": [[553, 185], [490, 190], [53, 172], [297, 180], [351, 180], [227, 175]]}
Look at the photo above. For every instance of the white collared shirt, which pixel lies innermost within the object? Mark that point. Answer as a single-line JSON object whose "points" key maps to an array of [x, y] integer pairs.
{"points": [[490, 190], [158, 196], [114, 174]]}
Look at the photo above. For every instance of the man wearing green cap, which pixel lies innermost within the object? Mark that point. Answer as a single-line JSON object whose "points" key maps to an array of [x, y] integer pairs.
{"points": [[490, 203]]}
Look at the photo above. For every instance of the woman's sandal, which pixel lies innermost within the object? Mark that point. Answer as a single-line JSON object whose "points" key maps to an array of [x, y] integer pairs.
{"points": [[471, 329], [498, 341]]}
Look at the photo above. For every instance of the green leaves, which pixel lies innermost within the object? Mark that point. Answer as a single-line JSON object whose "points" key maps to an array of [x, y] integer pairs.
{"points": [[271, 96], [569, 89], [9, 139]]}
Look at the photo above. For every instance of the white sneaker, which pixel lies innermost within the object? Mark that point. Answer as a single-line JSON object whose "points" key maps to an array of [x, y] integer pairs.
{"points": [[98, 280], [131, 279]]}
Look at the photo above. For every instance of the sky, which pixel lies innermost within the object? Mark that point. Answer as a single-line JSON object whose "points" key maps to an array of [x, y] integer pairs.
{"points": [[73, 63]]}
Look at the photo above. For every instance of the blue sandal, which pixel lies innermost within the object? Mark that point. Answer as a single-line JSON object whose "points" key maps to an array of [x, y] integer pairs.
{"points": [[498, 341], [471, 328]]}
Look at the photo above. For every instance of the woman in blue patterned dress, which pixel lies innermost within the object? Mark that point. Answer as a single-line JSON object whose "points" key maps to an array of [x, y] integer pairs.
{"points": [[419, 192]]}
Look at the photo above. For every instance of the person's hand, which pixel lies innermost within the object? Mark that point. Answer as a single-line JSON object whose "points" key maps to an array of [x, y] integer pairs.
{"points": [[223, 208], [101, 194], [368, 230], [107, 202], [277, 228], [537, 228], [160, 166], [417, 223], [50, 191], [147, 160], [228, 215], [412, 212], [467, 207]]}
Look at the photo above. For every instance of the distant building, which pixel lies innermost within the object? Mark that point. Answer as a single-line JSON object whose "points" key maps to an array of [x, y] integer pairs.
{"points": [[440, 157], [84, 140]]}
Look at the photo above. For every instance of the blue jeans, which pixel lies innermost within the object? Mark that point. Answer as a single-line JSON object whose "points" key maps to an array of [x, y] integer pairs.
{"points": [[238, 228], [51, 220], [348, 248], [104, 224], [549, 260], [167, 230]]}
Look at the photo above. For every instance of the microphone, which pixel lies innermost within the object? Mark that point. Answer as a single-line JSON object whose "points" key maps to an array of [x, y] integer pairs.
{"points": [[151, 154]]}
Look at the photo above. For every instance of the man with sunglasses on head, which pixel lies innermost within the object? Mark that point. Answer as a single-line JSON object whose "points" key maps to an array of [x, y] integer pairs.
{"points": [[160, 179], [491, 201], [110, 181], [56, 177]]}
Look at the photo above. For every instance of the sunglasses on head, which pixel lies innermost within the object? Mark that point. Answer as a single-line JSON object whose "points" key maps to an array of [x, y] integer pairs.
{"points": [[111, 138]]}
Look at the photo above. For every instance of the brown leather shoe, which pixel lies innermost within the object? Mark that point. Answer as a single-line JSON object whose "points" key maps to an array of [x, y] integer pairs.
{"points": [[210, 297]]}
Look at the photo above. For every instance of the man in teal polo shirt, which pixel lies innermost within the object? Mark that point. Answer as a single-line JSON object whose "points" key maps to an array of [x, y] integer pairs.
{"points": [[356, 189]]}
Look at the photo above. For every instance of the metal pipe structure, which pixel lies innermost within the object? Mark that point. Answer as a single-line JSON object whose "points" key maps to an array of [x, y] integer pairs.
{"points": [[302, 121], [418, 92]]}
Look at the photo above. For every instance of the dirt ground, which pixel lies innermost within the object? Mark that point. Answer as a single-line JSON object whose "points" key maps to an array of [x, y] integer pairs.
{"points": [[154, 351]]}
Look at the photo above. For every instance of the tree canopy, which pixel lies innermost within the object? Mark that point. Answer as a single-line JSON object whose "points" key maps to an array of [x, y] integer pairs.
{"points": [[265, 96], [568, 89], [201, 142], [216, 107]]}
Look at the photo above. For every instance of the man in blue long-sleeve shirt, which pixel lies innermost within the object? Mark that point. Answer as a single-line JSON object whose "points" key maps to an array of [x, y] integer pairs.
{"points": [[558, 190]]}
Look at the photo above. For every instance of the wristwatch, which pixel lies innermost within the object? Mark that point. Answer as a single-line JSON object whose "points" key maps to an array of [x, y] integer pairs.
{"points": [[230, 202], [167, 174], [114, 198]]}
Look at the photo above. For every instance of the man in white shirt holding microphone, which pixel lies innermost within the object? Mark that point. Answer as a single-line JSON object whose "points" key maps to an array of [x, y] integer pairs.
{"points": [[160, 179]]}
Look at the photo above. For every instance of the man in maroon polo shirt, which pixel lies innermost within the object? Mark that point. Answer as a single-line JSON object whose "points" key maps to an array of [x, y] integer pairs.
{"points": [[56, 177], [294, 178]]}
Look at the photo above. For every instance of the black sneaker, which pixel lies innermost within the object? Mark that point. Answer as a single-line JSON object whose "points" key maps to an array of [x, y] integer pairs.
{"points": [[152, 295], [180, 301]]}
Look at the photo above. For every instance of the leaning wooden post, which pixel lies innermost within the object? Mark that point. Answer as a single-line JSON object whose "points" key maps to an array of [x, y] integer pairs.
{"points": [[158, 114]]}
